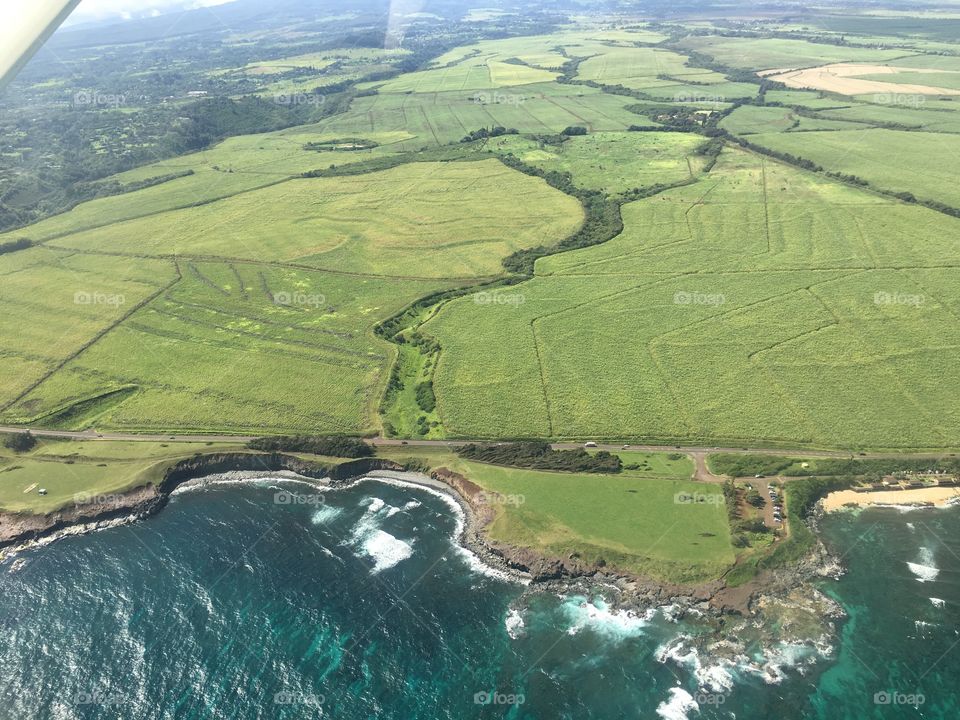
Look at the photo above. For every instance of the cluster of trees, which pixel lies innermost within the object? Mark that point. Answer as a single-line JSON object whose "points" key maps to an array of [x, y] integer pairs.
{"points": [[573, 131], [20, 442], [14, 245], [484, 133], [426, 398], [603, 220], [333, 446], [342, 145], [540, 456]]}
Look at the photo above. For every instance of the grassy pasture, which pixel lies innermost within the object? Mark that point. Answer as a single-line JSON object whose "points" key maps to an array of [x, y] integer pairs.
{"points": [[923, 117], [661, 73], [235, 166], [751, 119], [239, 336], [68, 469], [945, 80], [440, 118], [769, 53], [633, 524], [52, 304], [465, 214], [724, 311], [237, 346], [613, 162], [898, 160], [806, 98]]}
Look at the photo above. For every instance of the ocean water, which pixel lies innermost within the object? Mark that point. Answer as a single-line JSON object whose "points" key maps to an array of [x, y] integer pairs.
{"points": [[266, 600]]}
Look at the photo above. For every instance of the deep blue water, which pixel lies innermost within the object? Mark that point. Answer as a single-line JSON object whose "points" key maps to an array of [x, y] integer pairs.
{"points": [[230, 604]]}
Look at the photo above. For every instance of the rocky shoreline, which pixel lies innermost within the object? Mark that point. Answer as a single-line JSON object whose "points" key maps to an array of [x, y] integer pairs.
{"points": [[548, 573]]}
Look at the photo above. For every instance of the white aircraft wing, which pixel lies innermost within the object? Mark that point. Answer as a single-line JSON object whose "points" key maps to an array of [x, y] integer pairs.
{"points": [[24, 26]]}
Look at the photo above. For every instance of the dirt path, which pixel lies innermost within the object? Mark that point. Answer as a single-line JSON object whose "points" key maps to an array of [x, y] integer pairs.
{"points": [[701, 471]]}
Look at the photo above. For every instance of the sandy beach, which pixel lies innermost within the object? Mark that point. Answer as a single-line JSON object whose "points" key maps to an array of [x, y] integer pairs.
{"points": [[935, 496]]}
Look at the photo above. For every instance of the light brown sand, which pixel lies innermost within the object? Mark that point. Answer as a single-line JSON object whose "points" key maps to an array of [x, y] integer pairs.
{"points": [[841, 78], [939, 496]]}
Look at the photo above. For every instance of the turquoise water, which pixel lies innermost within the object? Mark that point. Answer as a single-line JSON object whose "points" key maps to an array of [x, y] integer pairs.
{"points": [[239, 602]]}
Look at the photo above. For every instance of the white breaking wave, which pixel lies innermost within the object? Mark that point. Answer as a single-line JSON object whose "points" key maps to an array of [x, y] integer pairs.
{"points": [[676, 708], [475, 563], [385, 549], [924, 569], [514, 624], [597, 616], [937, 602], [716, 678]]}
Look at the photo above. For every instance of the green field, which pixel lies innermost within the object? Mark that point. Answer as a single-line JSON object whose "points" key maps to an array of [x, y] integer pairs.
{"points": [[921, 163], [721, 313], [613, 162], [235, 324], [769, 53], [632, 524], [750, 120], [463, 213], [83, 470], [437, 118], [743, 307]]}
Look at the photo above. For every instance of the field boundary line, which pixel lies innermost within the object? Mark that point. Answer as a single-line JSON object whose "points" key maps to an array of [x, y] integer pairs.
{"points": [[152, 213], [543, 377], [96, 338], [226, 260]]}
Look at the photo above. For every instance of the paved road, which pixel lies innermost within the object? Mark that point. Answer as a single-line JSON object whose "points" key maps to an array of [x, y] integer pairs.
{"points": [[696, 450]]}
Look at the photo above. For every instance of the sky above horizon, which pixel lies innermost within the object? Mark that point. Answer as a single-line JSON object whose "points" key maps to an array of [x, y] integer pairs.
{"points": [[95, 9]]}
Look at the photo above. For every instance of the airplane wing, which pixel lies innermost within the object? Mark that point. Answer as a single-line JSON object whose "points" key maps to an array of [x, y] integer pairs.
{"points": [[24, 26]]}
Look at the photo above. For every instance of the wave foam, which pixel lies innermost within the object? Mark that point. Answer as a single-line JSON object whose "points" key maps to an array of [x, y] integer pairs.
{"points": [[514, 624], [325, 514], [924, 569], [475, 563], [678, 705], [385, 549], [597, 616]]}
